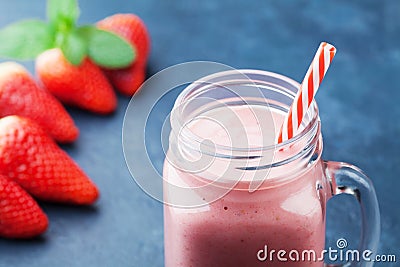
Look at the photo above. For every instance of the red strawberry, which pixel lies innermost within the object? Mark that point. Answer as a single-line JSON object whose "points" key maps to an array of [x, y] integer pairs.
{"points": [[32, 159], [128, 80], [84, 86], [132, 28], [20, 95], [20, 215]]}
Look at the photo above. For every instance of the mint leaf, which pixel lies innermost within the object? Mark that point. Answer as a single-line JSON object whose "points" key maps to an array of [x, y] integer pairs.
{"points": [[107, 49], [62, 11], [25, 40], [74, 48]]}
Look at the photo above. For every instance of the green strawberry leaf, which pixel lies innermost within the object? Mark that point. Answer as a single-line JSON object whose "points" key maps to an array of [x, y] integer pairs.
{"points": [[74, 48], [63, 12], [107, 49], [25, 40]]}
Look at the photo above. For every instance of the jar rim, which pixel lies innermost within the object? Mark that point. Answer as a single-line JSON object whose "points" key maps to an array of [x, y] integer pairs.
{"points": [[185, 95]]}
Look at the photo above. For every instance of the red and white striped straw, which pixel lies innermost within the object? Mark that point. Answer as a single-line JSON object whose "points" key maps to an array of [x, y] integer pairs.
{"points": [[307, 91]]}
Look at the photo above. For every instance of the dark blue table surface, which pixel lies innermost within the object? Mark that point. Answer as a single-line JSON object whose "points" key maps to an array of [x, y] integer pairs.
{"points": [[359, 108]]}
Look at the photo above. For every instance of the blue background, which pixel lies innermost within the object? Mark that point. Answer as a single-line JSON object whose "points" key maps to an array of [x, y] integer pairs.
{"points": [[358, 101]]}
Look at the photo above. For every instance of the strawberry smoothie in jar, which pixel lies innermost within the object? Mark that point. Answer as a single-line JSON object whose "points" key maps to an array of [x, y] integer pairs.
{"points": [[235, 198]]}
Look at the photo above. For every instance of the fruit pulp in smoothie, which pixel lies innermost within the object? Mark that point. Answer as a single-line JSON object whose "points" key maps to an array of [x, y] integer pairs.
{"points": [[232, 230]]}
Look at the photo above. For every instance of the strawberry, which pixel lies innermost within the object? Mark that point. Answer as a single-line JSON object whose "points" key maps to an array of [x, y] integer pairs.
{"points": [[128, 80], [33, 160], [133, 30], [20, 215], [21, 95], [84, 86]]}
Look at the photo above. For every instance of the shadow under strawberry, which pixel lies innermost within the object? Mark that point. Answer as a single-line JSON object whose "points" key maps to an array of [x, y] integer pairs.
{"points": [[65, 213]]}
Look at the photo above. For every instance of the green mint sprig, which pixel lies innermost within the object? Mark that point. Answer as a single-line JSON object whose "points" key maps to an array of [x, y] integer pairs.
{"points": [[25, 40]]}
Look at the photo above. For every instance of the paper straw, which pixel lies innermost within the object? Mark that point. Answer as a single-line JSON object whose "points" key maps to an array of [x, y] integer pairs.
{"points": [[308, 88]]}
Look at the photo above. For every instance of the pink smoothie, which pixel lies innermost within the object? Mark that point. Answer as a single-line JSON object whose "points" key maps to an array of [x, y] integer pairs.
{"points": [[232, 230]]}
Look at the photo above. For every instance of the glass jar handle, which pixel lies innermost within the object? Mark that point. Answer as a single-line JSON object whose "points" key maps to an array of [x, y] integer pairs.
{"points": [[348, 179]]}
